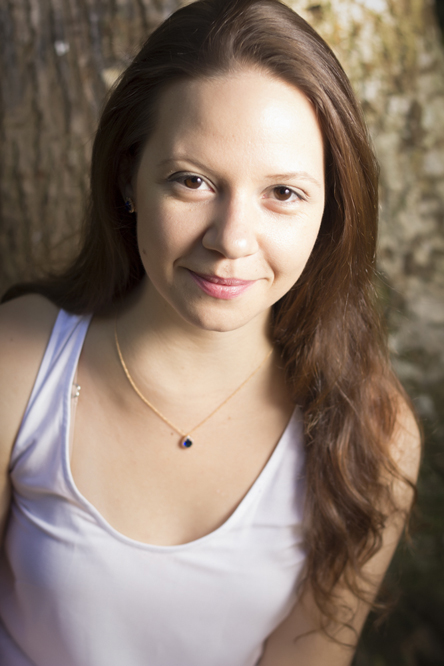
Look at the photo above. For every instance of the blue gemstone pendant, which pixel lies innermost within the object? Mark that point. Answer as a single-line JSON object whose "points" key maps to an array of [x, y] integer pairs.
{"points": [[186, 442]]}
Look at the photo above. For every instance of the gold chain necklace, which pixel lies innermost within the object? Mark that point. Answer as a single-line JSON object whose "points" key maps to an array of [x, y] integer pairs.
{"points": [[186, 440]]}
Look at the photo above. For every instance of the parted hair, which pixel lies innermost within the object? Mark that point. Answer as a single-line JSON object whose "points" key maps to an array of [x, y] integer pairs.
{"points": [[327, 327]]}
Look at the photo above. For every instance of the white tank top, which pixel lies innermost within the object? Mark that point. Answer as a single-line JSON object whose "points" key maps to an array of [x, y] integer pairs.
{"points": [[76, 592]]}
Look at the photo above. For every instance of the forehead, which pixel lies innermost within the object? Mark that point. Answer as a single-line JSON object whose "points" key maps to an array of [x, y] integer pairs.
{"points": [[247, 114]]}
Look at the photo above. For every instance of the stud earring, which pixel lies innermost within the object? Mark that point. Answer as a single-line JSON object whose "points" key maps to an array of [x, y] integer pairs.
{"points": [[129, 205]]}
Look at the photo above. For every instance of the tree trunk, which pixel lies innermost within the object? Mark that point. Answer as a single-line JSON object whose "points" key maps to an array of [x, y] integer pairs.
{"points": [[59, 57]]}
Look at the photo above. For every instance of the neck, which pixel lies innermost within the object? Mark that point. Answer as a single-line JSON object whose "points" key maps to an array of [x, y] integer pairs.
{"points": [[156, 342]]}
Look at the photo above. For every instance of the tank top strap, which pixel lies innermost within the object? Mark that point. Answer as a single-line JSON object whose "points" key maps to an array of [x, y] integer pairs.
{"points": [[58, 366]]}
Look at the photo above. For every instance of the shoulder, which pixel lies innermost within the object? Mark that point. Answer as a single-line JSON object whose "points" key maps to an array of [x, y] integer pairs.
{"points": [[405, 451], [25, 327], [25, 324]]}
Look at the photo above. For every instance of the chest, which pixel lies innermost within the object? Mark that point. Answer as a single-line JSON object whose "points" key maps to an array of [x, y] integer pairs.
{"points": [[128, 463], [152, 604]]}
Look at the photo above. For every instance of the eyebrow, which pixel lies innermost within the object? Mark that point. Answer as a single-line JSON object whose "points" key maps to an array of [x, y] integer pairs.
{"points": [[303, 175], [182, 158]]}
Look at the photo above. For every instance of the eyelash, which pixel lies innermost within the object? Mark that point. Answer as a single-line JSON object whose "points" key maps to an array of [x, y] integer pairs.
{"points": [[180, 177], [299, 197]]}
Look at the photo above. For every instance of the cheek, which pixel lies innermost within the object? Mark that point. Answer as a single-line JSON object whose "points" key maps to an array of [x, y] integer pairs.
{"points": [[156, 231], [291, 250]]}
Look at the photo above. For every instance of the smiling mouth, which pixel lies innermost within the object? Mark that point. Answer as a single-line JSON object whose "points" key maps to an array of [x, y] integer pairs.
{"points": [[218, 287]]}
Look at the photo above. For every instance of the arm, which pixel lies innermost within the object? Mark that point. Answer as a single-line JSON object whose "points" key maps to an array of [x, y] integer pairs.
{"points": [[315, 648], [25, 326]]}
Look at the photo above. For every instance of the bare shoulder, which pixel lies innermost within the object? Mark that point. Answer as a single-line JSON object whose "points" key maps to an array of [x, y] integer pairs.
{"points": [[25, 327], [406, 451]]}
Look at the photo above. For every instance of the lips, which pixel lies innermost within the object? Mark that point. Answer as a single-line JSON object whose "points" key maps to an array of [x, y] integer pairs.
{"points": [[218, 287]]}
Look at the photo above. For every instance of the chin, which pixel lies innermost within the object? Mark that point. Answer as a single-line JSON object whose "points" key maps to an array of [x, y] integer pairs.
{"points": [[220, 320]]}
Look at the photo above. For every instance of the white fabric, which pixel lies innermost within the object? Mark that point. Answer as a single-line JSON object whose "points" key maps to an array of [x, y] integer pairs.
{"points": [[75, 592]]}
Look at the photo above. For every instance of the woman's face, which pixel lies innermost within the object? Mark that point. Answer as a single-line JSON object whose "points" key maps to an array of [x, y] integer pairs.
{"points": [[229, 195]]}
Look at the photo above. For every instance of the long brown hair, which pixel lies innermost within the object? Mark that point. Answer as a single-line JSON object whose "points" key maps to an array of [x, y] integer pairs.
{"points": [[326, 327]]}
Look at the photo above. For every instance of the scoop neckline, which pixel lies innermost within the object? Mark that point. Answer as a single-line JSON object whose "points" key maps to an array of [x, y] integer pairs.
{"points": [[240, 509]]}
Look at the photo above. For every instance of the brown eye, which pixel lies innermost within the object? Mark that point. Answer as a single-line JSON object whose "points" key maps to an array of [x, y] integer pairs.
{"points": [[193, 182], [283, 193]]}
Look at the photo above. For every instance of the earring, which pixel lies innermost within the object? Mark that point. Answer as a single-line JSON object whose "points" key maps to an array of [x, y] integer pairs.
{"points": [[129, 205]]}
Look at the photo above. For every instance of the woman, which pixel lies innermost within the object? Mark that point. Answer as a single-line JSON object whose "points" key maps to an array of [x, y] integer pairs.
{"points": [[210, 459]]}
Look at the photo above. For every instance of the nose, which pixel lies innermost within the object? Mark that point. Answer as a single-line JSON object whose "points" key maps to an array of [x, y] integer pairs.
{"points": [[233, 228]]}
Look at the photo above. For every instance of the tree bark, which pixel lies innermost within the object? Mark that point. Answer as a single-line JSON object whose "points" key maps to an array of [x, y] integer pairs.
{"points": [[57, 58]]}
